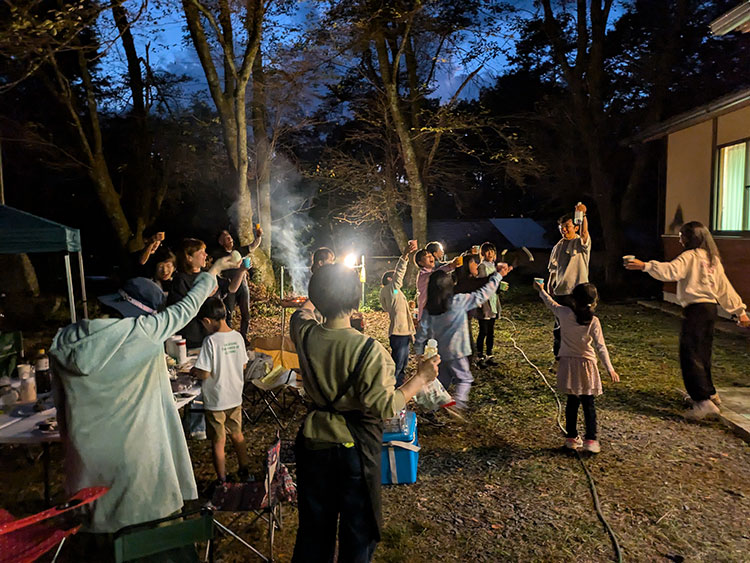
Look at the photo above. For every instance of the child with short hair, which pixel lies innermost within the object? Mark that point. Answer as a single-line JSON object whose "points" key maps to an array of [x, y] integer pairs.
{"points": [[349, 383], [568, 263], [577, 372], [393, 301], [490, 309], [436, 249], [221, 365], [445, 320], [425, 261]]}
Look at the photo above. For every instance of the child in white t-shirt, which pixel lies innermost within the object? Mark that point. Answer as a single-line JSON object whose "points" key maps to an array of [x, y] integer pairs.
{"points": [[221, 365]]}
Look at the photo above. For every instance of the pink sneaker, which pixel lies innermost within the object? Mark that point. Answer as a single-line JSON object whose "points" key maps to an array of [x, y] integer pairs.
{"points": [[591, 446], [573, 443]]}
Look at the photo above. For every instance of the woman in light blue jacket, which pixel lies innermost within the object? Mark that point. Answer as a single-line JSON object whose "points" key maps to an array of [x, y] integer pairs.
{"points": [[117, 417], [444, 319]]}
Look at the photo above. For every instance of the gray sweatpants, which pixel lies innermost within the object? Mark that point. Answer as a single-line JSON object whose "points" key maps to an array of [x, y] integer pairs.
{"points": [[457, 371]]}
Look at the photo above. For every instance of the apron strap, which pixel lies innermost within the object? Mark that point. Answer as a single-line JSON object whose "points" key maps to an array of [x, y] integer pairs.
{"points": [[353, 375]]}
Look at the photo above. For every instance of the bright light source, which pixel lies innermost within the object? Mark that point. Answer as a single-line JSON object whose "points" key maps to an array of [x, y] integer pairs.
{"points": [[350, 261]]}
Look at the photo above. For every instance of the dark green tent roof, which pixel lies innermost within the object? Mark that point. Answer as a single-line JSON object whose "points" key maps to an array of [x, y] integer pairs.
{"points": [[22, 232]]}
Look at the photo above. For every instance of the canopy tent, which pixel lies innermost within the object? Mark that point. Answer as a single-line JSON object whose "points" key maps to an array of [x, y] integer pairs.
{"points": [[23, 233]]}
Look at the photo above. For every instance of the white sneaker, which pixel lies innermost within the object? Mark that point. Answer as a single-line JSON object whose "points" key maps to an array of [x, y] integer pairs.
{"points": [[701, 410], [573, 443], [591, 446], [199, 435]]}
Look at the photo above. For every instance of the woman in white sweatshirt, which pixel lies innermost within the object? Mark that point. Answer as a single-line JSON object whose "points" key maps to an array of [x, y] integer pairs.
{"points": [[701, 284]]}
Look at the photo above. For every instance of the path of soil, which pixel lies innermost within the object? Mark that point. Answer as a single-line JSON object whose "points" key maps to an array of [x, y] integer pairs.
{"points": [[499, 487]]}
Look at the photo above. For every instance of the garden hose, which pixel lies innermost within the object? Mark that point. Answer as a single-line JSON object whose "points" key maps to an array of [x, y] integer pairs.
{"points": [[592, 484]]}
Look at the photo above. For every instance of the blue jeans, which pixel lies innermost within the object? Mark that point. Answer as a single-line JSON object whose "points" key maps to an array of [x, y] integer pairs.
{"points": [[332, 493], [400, 355]]}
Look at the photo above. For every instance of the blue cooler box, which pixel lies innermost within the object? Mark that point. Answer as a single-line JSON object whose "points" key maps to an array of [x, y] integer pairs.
{"points": [[400, 454]]}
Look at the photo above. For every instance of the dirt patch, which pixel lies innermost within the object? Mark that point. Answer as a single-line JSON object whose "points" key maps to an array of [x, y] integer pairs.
{"points": [[499, 488]]}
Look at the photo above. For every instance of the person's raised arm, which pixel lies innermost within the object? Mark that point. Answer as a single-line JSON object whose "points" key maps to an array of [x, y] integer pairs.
{"points": [[476, 298], [672, 271], [258, 232], [236, 282], [550, 303], [162, 325], [403, 264], [584, 234]]}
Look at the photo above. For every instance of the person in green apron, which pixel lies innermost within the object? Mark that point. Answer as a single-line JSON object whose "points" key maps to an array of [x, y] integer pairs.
{"points": [[349, 379]]}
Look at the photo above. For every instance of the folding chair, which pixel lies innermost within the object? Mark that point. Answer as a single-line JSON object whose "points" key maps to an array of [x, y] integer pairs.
{"points": [[269, 388], [24, 540], [165, 534], [11, 346], [263, 498]]}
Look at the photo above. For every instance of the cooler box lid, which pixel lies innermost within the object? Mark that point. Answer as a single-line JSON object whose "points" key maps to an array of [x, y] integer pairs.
{"points": [[411, 430]]}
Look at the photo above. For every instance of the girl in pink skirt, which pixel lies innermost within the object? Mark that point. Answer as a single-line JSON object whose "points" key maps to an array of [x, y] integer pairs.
{"points": [[577, 372]]}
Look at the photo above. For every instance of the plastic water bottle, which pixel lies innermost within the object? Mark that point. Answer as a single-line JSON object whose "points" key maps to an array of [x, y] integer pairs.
{"points": [[578, 215], [430, 349]]}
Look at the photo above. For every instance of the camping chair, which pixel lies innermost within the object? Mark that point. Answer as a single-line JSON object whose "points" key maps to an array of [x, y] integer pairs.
{"points": [[159, 536], [278, 390], [11, 346], [26, 539], [263, 498]]}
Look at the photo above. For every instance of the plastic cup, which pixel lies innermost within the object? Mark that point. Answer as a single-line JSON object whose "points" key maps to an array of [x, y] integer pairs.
{"points": [[475, 249], [459, 261], [539, 281], [627, 258], [246, 262], [504, 286]]}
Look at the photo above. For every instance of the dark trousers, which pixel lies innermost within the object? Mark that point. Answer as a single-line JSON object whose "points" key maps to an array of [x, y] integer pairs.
{"points": [[331, 493], [565, 301], [589, 416], [400, 355], [242, 298], [696, 344], [486, 335]]}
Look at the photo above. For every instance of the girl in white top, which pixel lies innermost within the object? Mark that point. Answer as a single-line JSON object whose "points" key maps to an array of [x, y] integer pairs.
{"points": [[701, 284], [577, 372]]}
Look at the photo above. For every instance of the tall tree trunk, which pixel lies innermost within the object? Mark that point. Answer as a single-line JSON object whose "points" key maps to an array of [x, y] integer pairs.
{"points": [[262, 152], [417, 195]]}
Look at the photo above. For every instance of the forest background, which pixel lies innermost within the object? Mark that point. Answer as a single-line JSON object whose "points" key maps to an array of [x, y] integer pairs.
{"points": [[346, 123]]}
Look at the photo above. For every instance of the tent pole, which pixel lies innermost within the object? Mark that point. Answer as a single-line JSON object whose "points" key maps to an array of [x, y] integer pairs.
{"points": [[71, 295], [83, 285]]}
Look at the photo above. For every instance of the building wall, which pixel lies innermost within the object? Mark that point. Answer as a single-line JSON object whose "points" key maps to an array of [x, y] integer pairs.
{"points": [[733, 126], [688, 196], [688, 193]]}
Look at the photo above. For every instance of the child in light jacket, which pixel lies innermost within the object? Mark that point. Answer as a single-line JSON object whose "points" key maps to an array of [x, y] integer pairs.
{"points": [[701, 284], [444, 319], [577, 372], [393, 301]]}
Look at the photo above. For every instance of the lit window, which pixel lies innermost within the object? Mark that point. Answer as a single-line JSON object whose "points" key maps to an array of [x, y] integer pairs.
{"points": [[732, 196]]}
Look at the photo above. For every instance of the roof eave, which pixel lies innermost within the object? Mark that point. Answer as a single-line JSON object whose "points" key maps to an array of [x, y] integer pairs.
{"points": [[736, 19]]}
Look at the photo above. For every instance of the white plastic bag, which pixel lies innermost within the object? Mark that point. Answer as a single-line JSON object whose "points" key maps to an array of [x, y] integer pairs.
{"points": [[433, 396]]}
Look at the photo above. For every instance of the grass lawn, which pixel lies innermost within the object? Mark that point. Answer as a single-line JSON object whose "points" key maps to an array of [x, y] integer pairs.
{"points": [[499, 487]]}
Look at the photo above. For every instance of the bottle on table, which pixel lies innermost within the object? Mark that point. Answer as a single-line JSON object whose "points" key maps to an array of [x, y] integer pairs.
{"points": [[43, 375]]}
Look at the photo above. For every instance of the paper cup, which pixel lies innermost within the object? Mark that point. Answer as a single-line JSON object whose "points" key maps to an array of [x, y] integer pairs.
{"points": [[246, 262], [24, 371], [627, 258], [504, 286]]}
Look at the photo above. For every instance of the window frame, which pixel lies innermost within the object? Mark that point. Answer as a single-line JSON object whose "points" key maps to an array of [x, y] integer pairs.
{"points": [[715, 190]]}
